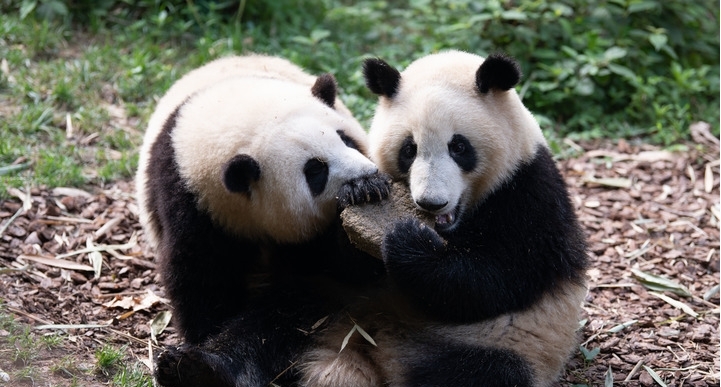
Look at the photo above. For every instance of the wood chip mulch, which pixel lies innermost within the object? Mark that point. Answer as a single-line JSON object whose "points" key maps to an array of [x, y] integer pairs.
{"points": [[651, 315]]}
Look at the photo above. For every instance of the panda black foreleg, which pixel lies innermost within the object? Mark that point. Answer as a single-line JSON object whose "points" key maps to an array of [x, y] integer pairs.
{"points": [[242, 355], [448, 282], [367, 189], [418, 265], [467, 366], [188, 366], [256, 347]]}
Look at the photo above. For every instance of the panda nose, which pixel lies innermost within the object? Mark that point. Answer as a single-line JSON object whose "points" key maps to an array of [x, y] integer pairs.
{"points": [[430, 206]]}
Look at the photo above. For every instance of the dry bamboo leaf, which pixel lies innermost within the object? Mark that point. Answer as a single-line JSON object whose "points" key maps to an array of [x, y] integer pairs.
{"points": [[708, 179], [6, 270], [319, 323], [691, 174], [711, 292], [27, 205], [660, 284], [68, 126], [655, 376], [72, 326], [592, 203], [158, 324], [362, 332], [14, 168], [622, 326], [641, 250], [68, 219], [131, 243], [366, 335], [109, 225], [616, 182], [4, 67], [347, 338], [95, 258], [135, 303], [149, 360], [24, 197], [676, 304], [54, 262], [716, 211], [634, 371], [68, 191], [609, 378], [652, 156]]}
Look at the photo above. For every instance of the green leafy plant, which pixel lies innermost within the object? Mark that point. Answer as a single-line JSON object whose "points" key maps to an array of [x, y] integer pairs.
{"points": [[593, 68]]}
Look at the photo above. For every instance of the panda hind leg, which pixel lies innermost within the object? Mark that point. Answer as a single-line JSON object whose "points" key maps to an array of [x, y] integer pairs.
{"points": [[466, 366], [188, 366]]}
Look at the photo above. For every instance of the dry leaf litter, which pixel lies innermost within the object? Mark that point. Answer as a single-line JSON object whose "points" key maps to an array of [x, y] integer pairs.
{"points": [[75, 262]]}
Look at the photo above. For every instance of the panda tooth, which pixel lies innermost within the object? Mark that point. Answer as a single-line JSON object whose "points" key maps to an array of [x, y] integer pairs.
{"points": [[445, 218], [440, 219]]}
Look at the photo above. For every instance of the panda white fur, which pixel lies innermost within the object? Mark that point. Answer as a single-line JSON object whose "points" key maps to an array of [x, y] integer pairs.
{"points": [[244, 166], [492, 295]]}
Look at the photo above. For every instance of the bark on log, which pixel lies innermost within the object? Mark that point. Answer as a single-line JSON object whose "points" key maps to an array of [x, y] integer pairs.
{"points": [[367, 225]]}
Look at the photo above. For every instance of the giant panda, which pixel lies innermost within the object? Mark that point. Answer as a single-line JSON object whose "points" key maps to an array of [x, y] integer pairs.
{"points": [[244, 166], [490, 295]]}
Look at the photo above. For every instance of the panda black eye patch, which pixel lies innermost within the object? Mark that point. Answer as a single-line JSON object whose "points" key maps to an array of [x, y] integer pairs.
{"points": [[316, 175], [407, 154], [462, 152], [347, 140]]}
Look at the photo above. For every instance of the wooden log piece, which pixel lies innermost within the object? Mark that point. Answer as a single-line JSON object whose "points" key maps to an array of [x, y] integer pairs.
{"points": [[367, 225]]}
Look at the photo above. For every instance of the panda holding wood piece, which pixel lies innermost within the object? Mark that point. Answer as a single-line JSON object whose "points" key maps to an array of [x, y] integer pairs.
{"points": [[245, 165], [492, 293]]}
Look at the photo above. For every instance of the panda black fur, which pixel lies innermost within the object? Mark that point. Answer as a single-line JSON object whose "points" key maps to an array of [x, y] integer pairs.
{"points": [[492, 295], [244, 165]]}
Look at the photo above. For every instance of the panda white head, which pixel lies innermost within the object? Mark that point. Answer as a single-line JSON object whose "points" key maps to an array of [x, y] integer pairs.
{"points": [[452, 126], [267, 164]]}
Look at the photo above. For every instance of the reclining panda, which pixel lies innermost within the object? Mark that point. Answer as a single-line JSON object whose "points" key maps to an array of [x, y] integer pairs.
{"points": [[491, 294], [243, 167]]}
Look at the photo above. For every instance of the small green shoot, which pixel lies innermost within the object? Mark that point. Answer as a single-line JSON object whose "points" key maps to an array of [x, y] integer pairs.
{"points": [[589, 355], [109, 359], [52, 340], [132, 377]]}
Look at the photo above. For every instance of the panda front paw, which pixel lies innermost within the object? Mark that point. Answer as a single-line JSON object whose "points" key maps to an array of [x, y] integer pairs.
{"points": [[410, 242], [367, 189], [188, 366]]}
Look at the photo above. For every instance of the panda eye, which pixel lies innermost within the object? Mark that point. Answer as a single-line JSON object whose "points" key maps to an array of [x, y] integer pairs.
{"points": [[462, 152], [457, 147], [407, 154], [316, 175]]}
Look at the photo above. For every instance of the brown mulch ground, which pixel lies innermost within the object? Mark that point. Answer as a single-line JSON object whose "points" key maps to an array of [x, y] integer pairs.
{"points": [[646, 211]]}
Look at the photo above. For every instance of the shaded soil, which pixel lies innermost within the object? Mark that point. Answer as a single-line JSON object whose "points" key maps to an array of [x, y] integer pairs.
{"points": [[646, 212]]}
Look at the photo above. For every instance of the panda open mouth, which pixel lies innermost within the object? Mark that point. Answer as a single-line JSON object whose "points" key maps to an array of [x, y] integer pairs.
{"points": [[447, 221]]}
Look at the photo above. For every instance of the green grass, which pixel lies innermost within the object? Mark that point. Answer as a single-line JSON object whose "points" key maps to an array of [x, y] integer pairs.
{"points": [[100, 66], [30, 356], [109, 358]]}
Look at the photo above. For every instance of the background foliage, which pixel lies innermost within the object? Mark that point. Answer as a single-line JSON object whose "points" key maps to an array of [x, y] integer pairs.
{"points": [[593, 68]]}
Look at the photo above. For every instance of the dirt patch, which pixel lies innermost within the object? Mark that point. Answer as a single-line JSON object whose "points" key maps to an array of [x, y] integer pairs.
{"points": [[648, 213]]}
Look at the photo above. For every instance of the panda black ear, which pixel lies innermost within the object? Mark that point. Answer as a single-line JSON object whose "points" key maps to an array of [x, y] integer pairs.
{"points": [[498, 72], [381, 78], [239, 172], [325, 89]]}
